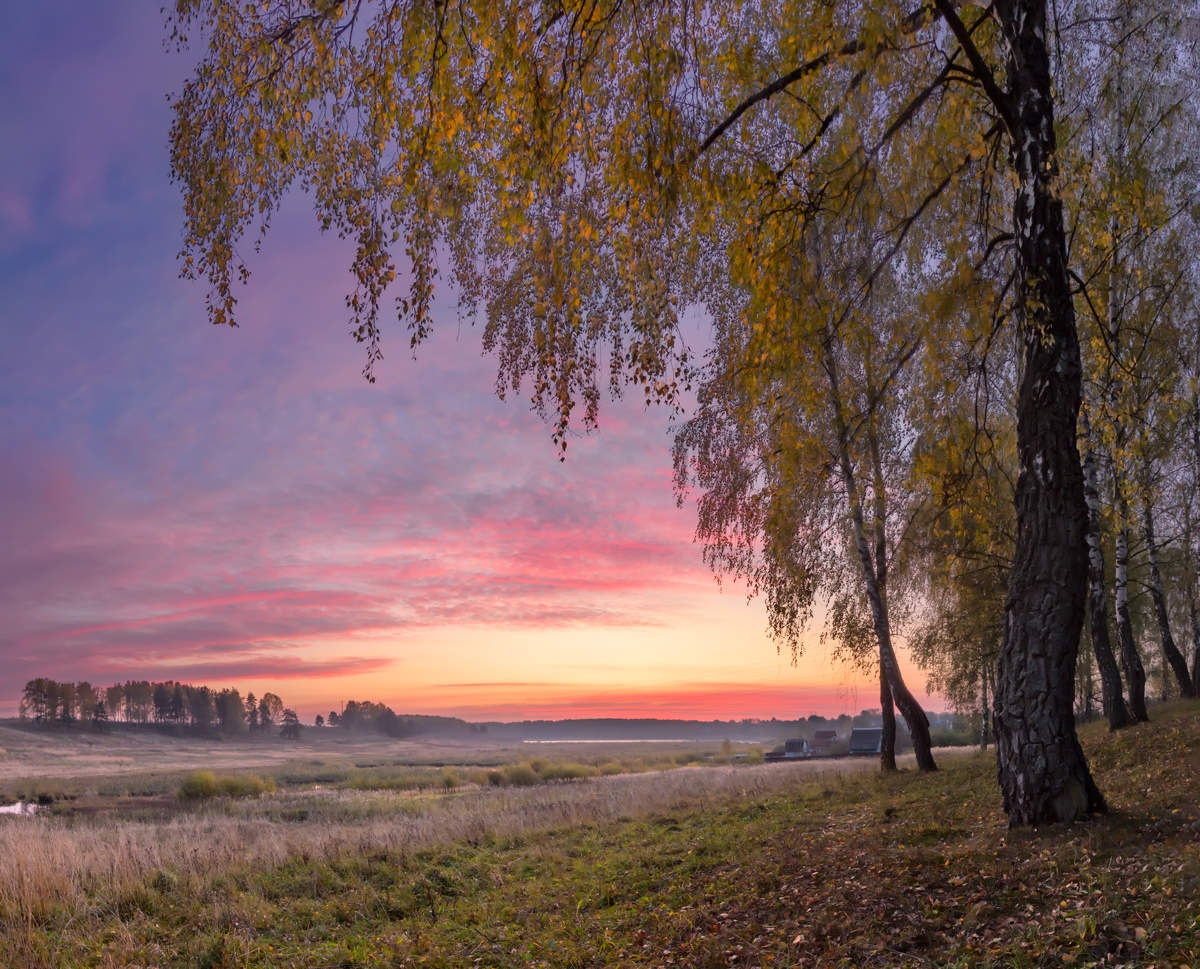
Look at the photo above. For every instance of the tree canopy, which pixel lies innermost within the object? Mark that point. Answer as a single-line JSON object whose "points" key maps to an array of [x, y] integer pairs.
{"points": [[582, 172], [586, 172]]}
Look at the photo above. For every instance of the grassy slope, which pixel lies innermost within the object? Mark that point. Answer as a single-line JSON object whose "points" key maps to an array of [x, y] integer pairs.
{"points": [[898, 871]]}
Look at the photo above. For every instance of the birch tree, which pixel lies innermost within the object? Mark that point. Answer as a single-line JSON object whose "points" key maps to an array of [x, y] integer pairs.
{"points": [[585, 168], [966, 464], [1135, 202], [1190, 503], [800, 452]]}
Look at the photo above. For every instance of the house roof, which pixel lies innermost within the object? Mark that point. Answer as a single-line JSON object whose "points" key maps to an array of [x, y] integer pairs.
{"points": [[866, 740]]}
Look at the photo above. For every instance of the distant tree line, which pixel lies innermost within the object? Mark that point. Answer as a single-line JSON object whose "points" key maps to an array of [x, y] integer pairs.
{"points": [[173, 705], [367, 716], [748, 728], [165, 703]]}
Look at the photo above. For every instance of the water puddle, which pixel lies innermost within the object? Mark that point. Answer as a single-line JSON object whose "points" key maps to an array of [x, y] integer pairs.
{"points": [[25, 809]]}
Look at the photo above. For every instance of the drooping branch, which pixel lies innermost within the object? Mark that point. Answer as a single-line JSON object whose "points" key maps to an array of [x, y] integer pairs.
{"points": [[919, 18]]}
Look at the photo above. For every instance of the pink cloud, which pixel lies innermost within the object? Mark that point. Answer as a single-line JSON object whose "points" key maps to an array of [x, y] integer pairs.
{"points": [[189, 502], [269, 667], [105, 579]]}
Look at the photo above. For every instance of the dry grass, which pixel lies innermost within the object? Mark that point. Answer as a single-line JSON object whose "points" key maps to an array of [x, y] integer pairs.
{"points": [[77, 753], [780, 865], [48, 862]]}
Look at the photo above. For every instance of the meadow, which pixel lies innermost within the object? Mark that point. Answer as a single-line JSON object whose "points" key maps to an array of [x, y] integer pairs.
{"points": [[85, 770], [710, 864]]}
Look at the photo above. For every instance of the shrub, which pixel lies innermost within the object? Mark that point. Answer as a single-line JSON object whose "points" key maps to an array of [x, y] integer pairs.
{"points": [[199, 784], [566, 772], [203, 784], [449, 779], [245, 785], [520, 775]]}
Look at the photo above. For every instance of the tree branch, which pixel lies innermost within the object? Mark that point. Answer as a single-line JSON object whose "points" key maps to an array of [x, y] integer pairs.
{"points": [[984, 73], [913, 22]]}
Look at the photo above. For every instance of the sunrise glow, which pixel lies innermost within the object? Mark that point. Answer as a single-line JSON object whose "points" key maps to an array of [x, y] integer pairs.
{"points": [[239, 507]]}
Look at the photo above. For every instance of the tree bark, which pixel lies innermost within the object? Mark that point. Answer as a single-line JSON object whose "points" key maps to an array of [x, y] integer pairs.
{"points": [[1043, 774], [1171, 654], [887, 749], [1131, 662], [1115, 710]]}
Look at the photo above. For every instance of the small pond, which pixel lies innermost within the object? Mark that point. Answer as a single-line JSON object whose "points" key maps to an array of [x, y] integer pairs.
{"points": [[22, 808]]}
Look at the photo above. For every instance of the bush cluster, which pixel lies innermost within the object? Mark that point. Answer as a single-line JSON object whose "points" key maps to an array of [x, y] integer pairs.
{"points": [[536, 771], [203, 784]]}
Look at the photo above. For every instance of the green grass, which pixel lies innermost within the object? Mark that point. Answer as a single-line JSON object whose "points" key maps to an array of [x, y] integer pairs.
{"points": [[898, 871]]}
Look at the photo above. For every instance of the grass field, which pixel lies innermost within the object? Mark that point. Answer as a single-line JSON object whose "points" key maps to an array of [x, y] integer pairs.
{"points": [[772, 865], [79, 753], [79, 763]]}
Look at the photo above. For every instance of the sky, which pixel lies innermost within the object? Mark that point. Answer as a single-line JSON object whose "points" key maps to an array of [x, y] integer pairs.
{"points": [[238, 507]]}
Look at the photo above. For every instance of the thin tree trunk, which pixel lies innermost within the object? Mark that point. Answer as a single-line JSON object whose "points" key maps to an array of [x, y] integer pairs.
{"points": [[887, 749], [922, 742], [1189, 561], [1171, 654], [1043, 773], [879, 526], [1195, 647], [1131, 662], [1115, 710], [983, 708], [1084, 681], [1189, 568], [875, 578]]}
